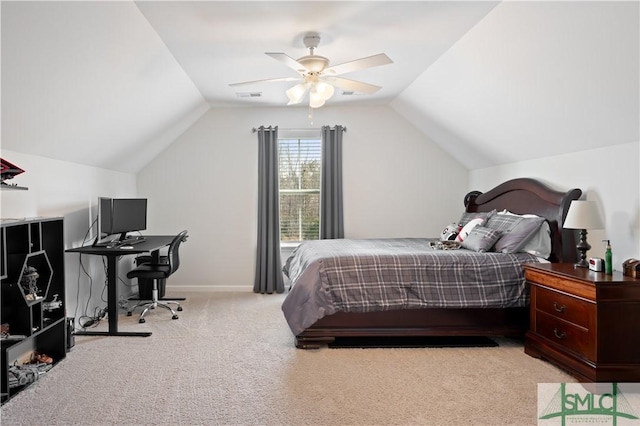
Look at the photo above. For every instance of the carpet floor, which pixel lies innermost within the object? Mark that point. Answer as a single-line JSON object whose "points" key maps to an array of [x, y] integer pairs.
{"points": [[230, 360]]}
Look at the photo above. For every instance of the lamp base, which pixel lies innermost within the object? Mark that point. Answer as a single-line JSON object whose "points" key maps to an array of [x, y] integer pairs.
{"points": [[583, 247], [581, 264]]}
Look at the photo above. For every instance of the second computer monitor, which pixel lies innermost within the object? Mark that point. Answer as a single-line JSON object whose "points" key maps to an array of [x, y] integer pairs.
{"points": [[121, 215]]}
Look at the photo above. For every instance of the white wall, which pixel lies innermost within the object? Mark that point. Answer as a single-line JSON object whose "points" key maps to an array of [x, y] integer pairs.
{"points": [[534, 77], [59, 188], [99, 65], [396, 184], [610, 176]]}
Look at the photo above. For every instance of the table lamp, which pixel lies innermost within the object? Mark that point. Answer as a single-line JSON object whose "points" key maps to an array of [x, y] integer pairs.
{"points": [[583, 215]]}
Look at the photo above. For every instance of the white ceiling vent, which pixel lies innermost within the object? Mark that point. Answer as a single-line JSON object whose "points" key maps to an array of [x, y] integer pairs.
{"points": [[249, 94]]}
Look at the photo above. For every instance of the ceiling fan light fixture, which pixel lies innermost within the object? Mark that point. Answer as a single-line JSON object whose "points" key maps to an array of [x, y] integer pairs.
{"points": [[296, 93], [325, 90], [314, 63], [315, 99]]}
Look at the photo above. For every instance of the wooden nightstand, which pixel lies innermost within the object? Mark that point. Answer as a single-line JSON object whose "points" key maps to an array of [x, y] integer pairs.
{"points": [[585, 322]]}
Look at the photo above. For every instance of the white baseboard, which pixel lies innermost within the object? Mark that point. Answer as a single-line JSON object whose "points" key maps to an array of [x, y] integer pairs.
{"points": [[208, 288]]}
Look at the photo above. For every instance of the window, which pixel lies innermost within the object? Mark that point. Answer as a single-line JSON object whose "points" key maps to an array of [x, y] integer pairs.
{"points": [[299, 156]]}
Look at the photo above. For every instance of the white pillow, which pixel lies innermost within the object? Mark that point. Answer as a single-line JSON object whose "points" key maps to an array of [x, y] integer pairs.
{"points": [[507, 212], [468, 227], [540, 244]]}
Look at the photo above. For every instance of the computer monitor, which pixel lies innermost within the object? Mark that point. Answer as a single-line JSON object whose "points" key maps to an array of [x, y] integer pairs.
{"points": [[104, 217], [128, 215], [121, 215]]}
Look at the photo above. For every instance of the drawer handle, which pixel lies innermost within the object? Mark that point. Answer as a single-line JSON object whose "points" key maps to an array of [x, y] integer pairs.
{"points": [[559, 309], [559, 335]]}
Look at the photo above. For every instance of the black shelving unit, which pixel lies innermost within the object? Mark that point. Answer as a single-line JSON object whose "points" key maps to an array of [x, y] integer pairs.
{"points": [[14, 187], [32, 295]]}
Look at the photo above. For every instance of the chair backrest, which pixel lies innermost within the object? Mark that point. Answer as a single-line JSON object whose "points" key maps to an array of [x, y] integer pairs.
{"points": [[173, 256]]}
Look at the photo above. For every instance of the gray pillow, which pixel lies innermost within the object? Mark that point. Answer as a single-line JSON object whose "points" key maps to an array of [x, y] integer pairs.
{"points": [[503, 222], [481, 239], [516, 232], [467, 216]]}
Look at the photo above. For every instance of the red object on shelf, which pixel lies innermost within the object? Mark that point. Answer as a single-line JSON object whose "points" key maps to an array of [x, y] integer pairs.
{"points": [[9, 170]]}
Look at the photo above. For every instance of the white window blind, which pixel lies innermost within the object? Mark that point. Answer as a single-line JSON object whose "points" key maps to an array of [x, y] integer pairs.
{"points": [[299, 178]]}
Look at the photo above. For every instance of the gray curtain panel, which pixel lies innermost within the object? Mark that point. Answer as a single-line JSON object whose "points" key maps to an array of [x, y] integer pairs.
{"points": [[331, 207], [268, 264]]}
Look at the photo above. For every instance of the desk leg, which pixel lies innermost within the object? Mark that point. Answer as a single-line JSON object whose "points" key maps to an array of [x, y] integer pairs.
{"points": [[112, 305]]}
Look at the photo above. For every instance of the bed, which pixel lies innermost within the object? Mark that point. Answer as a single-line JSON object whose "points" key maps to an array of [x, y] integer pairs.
{"points": [[330, 298]]}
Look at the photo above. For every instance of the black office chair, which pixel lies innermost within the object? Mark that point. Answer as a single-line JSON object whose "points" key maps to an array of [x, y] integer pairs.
{"points": [[156, 272]]}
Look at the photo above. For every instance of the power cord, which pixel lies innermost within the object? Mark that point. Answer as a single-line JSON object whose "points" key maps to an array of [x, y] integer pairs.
{"points": [[88, 322]]}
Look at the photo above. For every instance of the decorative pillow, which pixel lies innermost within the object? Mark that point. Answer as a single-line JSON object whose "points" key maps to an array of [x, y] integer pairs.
{"points": [[450, 232], [518, 231], [467, 216], [468, 227], [481, 239]]}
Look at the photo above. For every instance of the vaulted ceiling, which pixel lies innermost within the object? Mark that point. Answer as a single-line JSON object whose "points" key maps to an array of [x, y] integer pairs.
{"points": [[111, 84]]}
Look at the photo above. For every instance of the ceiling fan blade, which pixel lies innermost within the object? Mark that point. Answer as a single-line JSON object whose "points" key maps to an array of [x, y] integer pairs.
{"points": [[268, 80], [288, 61], [352, 85], [359, 64]]}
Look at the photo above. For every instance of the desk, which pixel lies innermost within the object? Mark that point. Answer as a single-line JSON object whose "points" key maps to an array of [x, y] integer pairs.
{"points": [[151, 243]]}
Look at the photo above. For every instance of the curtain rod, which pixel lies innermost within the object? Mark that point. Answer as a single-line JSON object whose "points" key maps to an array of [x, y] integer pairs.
{"points": [[344, 129]]}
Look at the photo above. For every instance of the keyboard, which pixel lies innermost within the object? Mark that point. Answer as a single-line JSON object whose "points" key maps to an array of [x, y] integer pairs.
{"points": [[119, 243], [131, 242]]}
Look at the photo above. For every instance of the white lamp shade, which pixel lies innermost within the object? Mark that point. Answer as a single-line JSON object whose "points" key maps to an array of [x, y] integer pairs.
{"points": [[315, 99], [296, 93], [583, 215], [324, 90]]}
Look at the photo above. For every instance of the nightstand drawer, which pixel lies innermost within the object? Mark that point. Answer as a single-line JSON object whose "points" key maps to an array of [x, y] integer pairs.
{"points": [[560, 305], [570, 336]]}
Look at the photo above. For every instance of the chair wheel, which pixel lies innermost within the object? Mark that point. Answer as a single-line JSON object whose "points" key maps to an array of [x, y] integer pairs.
{"points": [[179, 308], [129, 314], [174, 317], [142, 320]]}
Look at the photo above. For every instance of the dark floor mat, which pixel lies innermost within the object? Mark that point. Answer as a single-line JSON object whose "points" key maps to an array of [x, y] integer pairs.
{"points": [[413, 342]]}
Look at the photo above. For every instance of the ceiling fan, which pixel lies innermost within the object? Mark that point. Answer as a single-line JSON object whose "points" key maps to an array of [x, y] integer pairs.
{"points": [[318, 78]]}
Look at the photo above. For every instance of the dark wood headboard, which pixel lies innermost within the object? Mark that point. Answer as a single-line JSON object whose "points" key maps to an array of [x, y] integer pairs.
{"points": [[529, 196]]}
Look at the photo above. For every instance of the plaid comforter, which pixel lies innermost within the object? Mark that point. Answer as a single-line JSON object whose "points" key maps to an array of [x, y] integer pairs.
{"points": [[328, 276]]}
